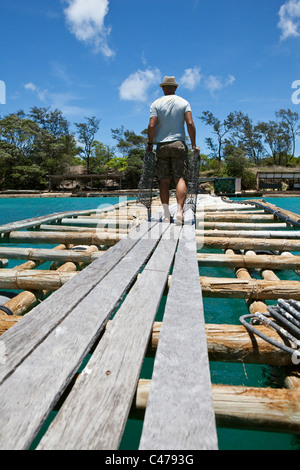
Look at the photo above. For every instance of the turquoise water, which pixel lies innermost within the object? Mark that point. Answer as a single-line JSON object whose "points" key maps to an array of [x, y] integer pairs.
{"points": [[216, 311], [13, 209]]}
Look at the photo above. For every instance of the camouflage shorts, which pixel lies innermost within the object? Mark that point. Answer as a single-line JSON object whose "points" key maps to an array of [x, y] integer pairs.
{"points": [[172, 160]]}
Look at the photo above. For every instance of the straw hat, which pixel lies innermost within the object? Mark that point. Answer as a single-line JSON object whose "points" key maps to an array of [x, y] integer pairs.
{"points": [[169, 81]]}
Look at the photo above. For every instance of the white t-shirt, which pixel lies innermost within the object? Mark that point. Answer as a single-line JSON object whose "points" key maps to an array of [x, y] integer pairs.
{"points": [[170, 112]]}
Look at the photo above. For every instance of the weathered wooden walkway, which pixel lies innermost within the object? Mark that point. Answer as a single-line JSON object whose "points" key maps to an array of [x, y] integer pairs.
{"points": [[42, 353], [103, 304]]}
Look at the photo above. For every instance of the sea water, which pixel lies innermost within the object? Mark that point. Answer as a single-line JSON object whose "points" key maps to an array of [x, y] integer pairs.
{"points": [[224, 311]]}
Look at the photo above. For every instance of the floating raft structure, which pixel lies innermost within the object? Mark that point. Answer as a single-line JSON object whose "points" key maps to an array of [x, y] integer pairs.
{"points": [[75, 334]]}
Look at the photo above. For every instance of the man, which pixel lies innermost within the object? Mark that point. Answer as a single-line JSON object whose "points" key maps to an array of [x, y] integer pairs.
{"points": [[166, 127]]}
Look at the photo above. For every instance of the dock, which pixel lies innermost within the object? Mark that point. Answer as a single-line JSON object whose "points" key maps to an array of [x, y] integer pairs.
{"points": [[75, 336]]}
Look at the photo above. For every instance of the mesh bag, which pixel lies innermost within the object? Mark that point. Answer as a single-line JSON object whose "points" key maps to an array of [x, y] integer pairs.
{"points": [[145, 188], [192, 183]]}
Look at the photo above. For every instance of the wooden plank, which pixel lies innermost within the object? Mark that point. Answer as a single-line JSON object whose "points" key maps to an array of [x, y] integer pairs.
{"points": [[180, 411], [20, 340], [95, 412], [47, 371]]}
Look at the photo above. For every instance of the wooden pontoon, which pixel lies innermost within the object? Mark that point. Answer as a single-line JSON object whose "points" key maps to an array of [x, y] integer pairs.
{"points": [[96, 303]]}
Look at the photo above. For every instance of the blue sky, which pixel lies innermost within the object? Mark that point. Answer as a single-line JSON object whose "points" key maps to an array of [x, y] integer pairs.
{"points": [[107, 57]]}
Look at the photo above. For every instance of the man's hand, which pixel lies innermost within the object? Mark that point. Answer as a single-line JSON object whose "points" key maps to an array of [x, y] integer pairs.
{"points": [[149, 147]]}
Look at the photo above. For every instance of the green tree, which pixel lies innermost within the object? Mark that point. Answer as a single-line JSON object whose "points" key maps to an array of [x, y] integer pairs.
{"points": [[131, 147], [238, 166], [127, 140], [27, 176], [86, 133], [55, 147], [290, 124], [18, 135], [220, 130], [277, 139], [247, 136], [101, 157], [133, 168], [41, 140], [51, 121]]}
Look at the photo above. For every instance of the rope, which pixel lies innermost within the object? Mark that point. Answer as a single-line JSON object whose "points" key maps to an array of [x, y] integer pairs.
{"points": [[287, 323], [6, 310]]}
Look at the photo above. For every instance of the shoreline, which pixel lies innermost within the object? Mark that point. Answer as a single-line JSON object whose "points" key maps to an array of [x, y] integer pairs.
{"points": [[66, 194], [131, 193]]}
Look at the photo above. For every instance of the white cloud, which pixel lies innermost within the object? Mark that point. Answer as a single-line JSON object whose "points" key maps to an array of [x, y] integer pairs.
{"points": [[41, 94], [85, 19], [191, 78], [289, 19], [136, 86], [62, 101], [213, 83]]}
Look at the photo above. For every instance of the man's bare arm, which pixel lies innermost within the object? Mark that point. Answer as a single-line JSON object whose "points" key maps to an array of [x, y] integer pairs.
{"points": [[191, 129], [151, 131]]}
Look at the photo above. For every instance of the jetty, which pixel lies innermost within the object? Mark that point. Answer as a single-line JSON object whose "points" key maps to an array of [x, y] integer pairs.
{"points": [[84, 318]]}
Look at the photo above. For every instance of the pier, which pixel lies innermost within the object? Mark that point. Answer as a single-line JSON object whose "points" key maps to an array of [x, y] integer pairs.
{"points": [[74, 339]]}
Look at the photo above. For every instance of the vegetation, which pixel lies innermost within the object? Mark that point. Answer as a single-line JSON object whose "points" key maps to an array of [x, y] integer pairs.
{"points": [[40, 143]]}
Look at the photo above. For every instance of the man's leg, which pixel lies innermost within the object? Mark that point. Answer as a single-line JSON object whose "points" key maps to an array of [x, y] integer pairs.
{"points": [[164, 187], [180, 196]]}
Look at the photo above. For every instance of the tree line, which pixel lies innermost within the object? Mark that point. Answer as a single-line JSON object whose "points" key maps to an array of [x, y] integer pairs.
{"points": [[40, 143]]}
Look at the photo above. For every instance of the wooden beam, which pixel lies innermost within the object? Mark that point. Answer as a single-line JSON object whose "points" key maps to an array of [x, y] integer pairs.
{"points": [[249, 262], [251, 288], [34, 279], [82, 229], [239, 226], [249, 244], [44, 254], [7, 321], [88, 238], [101, 223], [266, 234], [264, 409], [282, 212], [243, 273], [36, 221], [233, 343]]}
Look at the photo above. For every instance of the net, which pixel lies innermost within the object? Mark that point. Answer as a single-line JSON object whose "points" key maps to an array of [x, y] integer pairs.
{"points": [[145, 188], [192, 183]]}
